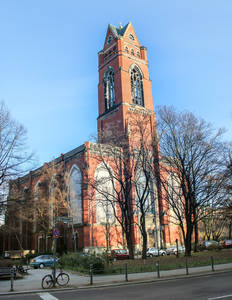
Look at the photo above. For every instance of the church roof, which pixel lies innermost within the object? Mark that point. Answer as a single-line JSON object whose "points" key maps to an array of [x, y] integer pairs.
{"points": [[118, 31]]}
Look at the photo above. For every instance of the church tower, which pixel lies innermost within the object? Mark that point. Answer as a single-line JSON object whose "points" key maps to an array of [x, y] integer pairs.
{"points": [[124, 83]]}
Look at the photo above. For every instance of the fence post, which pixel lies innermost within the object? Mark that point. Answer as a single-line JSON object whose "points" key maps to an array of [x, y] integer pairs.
{"points": [[91, 274], [212, 263], [186, 265], [157, 264], [12, 272], [126, 273]]}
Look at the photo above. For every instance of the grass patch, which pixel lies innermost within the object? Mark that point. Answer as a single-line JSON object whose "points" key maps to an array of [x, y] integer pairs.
{"points": [[170, 262], [80, 264]]}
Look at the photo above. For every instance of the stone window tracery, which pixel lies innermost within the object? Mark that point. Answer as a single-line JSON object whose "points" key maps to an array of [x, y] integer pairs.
{"points": [[51, 209], [75, 195], [131, 37], [136, 86], [109, 39], [105, 204], [109, 92]]}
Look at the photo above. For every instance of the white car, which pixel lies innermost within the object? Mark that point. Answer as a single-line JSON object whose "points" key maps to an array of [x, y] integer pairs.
{"points": [[155, 252], [173, 250]]}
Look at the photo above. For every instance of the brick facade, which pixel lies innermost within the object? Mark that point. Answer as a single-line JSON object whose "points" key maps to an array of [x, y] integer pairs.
{"points": [[122, 53]]}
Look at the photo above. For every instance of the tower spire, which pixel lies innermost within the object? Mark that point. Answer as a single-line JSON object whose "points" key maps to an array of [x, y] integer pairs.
{"points": [[124, 85]]}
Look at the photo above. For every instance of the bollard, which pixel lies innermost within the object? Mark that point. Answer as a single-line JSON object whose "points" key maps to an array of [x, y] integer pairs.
{"points": [[186, 265], [126, 273], [158, 268], [12, 279], [177, 251], [212, 263], [91, 274]]}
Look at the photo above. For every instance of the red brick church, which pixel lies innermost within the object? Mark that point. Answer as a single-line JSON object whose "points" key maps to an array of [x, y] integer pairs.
{"points": [[124, 94]]}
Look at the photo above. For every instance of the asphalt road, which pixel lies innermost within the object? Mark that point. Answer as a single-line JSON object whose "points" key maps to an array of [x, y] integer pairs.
{"points": [[210, 287]]}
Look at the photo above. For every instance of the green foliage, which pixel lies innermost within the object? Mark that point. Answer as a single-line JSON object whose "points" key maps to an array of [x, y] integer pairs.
{"points": [[212, 247], [81, 263]]}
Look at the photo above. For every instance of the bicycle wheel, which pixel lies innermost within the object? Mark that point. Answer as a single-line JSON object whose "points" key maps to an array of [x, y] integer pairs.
{"points": [[47, 282], [62, 279]]}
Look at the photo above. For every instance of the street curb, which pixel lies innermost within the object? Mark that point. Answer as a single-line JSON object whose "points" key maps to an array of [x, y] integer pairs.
{"points": [[114, 284]]}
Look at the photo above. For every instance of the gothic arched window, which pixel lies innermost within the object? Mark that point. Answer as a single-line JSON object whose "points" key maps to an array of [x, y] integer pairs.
{"points": [[109, 92], [75, 194], [105, 204], [136, 86], [52, 200]]}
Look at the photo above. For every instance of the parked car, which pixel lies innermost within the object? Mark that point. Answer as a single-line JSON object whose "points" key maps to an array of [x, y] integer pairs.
{"points": [[209, 245], [43, 261], [119, 254], [227, 244], [155, 252], [173, 250]]}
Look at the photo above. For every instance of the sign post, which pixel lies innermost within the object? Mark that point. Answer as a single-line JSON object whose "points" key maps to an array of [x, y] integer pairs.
{"points": [[56, 234], [12, 274], [64, 219]]}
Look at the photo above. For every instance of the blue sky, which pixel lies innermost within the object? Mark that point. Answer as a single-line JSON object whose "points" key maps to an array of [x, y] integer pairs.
{"points": [[48, 62]]}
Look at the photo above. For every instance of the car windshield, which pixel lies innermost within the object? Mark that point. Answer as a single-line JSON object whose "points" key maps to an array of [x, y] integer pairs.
{"points": [[152, 249], [119, 251]]}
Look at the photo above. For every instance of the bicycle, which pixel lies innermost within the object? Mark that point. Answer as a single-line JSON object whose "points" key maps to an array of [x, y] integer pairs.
{"points": [[62, 279]]}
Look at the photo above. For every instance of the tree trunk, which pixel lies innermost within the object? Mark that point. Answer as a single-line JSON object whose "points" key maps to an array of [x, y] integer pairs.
{"points": [[188, 239], [130, 244], [230, 230], [144, 235], [196, 237], [144, 251], [18, 240]]}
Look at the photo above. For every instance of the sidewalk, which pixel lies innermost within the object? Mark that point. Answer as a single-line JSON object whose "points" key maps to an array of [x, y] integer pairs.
{"points": [[32, 281]]}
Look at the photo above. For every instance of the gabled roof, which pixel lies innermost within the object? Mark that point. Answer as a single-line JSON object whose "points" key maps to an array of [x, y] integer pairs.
{"points": [[118, 31]]}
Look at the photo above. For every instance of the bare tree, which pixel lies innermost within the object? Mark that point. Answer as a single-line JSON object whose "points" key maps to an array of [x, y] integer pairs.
{"points": [[126, 183], [192, 153], [14, 158], [228, 186], [114, 187], [144, 181], [32, 209], [214, 222]]}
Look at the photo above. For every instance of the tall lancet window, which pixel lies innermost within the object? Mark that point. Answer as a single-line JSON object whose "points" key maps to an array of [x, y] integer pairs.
{"points": [[137, 86], [109, 92]]}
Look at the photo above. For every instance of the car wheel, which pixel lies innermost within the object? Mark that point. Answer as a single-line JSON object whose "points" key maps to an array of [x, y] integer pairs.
{"points": [[163, 254], [41, 266], [150, 255]]}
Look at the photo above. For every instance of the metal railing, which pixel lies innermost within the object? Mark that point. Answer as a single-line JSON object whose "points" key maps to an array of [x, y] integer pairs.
{"points": [[154, 268]]}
